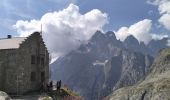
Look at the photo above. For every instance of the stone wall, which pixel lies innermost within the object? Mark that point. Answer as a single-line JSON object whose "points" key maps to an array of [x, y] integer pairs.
{"points": [[19, 67], [10, 70], [6, 66], [2, 66]]}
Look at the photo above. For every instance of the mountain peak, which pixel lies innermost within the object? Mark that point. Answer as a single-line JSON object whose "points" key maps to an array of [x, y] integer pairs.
{"points": [[111, 34], [97, 34], [131, 39]]}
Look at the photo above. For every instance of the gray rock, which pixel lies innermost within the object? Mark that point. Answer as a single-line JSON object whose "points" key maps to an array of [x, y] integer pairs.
{"points": [[155, 86], [4, 96]]}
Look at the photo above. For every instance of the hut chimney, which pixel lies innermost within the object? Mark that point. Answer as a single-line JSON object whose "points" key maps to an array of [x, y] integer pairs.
{"points": [[9, 36]]}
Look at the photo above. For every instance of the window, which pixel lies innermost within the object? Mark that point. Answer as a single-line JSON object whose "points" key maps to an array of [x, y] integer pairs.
{"points": [[33, 76], [42, 61], [42, 76], [38, 60], [32, 59], [11, 59]]}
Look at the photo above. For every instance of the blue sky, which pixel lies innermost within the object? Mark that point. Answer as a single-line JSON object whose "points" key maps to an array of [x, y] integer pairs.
{"points": [[120, 12], [68, 23], [13, 10]]}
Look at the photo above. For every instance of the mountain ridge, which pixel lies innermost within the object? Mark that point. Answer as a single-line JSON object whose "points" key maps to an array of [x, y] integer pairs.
{"points": [[92, 66]]}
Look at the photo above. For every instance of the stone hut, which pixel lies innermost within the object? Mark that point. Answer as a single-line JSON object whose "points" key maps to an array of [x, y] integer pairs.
{"points": [[24, 64]]}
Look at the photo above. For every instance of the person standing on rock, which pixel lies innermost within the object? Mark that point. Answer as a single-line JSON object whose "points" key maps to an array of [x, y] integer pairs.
{"points": [[58, 85], [51, 85]]}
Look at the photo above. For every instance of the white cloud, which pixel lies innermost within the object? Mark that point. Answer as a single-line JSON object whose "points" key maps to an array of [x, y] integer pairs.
{"points": [[122, 33], [164, 10], [159, 36], [164, 7], [64, 30], [165, 20], [140, 30], [63, 1]]}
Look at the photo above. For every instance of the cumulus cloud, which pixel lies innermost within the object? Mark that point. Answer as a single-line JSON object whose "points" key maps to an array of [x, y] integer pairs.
{"points": [[66, 29], [164, 10], [165, 20], [140, 30]]}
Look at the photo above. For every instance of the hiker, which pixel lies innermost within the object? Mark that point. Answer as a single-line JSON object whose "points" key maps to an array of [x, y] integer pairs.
{"points": [[42, 88], [58, 85], [51, 85], [48, 87]]}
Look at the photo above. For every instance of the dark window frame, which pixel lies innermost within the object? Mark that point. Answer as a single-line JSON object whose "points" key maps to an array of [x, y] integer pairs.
{"points": [[33, 59], [38, 60], [33, 76], [42, 61], [43, 76]]}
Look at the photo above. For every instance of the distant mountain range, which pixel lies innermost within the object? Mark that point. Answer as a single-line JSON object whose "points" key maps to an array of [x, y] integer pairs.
{"points": [[105, 64]]}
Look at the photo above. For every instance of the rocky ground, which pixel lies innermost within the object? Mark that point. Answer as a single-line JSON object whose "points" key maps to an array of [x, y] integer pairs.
{"points": [[63, 94], [33, 97]]}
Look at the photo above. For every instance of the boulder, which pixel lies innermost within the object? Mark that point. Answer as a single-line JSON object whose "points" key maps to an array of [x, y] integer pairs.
{"points": [[4, 96]]}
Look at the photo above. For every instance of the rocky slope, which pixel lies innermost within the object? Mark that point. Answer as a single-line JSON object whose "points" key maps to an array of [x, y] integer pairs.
{"points": [[104, 64], [154, 46], [124, 70], [155, 86]]}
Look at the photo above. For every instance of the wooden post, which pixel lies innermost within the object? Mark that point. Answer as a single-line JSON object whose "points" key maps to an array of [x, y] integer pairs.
{"points": [[17, 85], [41, 30]]}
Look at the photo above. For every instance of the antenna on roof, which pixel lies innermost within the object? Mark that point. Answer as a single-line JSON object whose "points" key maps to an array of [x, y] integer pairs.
{"points": [[41, 30]]}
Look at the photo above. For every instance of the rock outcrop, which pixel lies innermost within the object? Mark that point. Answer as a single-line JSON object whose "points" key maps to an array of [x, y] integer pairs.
{"points": [[155, 86], [4, 96]]}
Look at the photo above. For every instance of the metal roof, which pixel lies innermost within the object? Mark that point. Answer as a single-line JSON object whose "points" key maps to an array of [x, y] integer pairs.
{"points": [[11, 43]]}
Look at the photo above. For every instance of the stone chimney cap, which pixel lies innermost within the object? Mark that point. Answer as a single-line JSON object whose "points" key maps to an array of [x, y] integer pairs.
{"points": [[9, 36]]}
